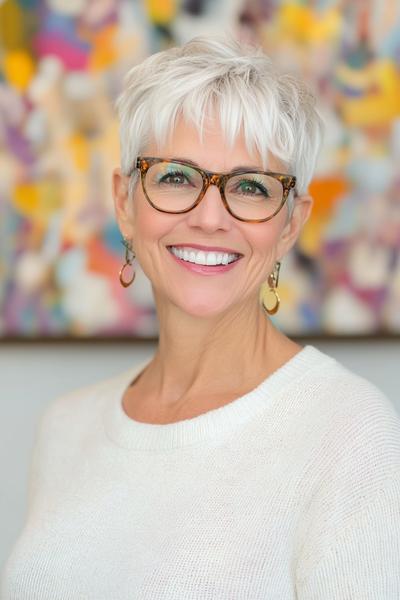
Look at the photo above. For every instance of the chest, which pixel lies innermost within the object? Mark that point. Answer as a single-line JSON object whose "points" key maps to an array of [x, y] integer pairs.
{"points": [[227, 533]]}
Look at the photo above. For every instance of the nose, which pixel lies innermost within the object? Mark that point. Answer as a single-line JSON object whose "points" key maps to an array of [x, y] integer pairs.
{"points": [[210, 214]]}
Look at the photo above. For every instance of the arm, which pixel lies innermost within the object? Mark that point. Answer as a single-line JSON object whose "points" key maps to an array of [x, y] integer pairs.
{"points": [[350, 536], [362, 560]]}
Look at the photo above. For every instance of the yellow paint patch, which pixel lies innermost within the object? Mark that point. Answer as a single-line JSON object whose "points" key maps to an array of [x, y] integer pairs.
{"points": [[26, 198], [19, 68], [78, 146], [161, 12], [309, 241], [38, 201], [304, 24], [380, 103]]}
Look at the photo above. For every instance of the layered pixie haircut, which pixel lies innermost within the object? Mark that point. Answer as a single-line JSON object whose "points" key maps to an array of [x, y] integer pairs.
{"points": [[235, 83]]}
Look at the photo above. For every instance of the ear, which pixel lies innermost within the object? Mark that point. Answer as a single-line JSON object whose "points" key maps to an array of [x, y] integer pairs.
{"points": [[122, 203], [301, 213]]}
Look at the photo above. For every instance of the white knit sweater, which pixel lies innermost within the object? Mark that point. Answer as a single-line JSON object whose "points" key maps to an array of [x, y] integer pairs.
{"points": [[289, 492]]}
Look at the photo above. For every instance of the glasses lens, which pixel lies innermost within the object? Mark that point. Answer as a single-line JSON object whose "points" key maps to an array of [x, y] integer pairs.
{"points": [[173, 187], [253, 195]]}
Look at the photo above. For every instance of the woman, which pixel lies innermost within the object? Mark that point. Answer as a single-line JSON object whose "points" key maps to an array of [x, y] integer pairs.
{"points": [[236, 463]]}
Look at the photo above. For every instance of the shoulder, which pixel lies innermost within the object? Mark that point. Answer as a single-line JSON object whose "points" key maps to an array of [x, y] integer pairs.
{"points": [[355, 451], [71, 414], [66, 429], [355, 463], [365, 433], [339, 394], [352, 427]]}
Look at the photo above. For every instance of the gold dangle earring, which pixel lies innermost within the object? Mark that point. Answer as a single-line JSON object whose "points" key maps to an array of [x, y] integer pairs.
{"points": [[128, 263], [273, 284]]}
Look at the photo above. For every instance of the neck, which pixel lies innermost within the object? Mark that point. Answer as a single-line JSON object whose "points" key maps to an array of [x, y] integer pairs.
{"points": [[225, 355]]}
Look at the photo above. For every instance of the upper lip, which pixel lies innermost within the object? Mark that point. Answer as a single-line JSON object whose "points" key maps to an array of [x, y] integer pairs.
{"points": [[206, 248]]}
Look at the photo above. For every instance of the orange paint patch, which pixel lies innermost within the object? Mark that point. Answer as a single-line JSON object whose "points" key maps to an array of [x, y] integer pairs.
{"points": [[326, 192], [104, 52], [100, 260]]}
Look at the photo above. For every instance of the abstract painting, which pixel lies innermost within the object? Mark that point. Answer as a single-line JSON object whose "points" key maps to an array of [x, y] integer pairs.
{"points": [[62, 63]]}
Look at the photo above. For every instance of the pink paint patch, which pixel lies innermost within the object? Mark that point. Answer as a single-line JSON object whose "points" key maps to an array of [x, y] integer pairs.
{"points": [[72, 57]]}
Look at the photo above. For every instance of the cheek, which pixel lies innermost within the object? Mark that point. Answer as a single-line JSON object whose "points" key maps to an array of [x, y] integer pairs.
{"points": [[144, 226], [147, 222], [264, 237]]}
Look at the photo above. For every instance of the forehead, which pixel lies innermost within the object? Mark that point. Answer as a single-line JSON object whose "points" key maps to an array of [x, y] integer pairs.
{"points": [[208, 147]]}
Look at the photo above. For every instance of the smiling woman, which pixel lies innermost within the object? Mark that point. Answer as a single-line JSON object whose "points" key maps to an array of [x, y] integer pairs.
{"points": [[219, 200], [235, 463]]}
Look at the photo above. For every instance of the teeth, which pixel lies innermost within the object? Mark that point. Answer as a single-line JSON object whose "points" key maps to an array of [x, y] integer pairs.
{"points": [[199, 257]]}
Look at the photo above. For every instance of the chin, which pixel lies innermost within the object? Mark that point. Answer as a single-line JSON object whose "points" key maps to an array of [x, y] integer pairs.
{"points": [[203, 308]]}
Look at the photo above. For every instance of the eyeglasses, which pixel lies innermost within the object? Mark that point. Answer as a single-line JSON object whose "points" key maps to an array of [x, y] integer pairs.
{"points": [[176, 186]]}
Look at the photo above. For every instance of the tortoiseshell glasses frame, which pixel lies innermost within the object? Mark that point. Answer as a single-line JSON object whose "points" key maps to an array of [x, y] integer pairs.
{"points": [[143, 163]]}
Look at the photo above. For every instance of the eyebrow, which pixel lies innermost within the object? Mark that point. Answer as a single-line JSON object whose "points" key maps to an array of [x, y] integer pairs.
{"points": [[238, 168]]}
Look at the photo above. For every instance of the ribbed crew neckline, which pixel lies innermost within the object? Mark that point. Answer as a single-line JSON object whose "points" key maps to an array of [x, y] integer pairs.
{"points": [[136, 435]]}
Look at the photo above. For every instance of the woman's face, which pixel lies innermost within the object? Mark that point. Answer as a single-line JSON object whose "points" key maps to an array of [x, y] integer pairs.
{"points": [[211, 290]]}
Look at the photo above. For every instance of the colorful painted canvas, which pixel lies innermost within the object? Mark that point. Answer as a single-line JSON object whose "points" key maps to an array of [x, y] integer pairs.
{"points": [[61, 67]]}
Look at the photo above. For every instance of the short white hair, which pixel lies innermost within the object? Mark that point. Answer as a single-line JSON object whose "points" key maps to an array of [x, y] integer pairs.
{"points": [[275, 110]]}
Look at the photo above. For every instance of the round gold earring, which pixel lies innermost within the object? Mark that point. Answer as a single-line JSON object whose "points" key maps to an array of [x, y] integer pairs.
{"points": [[273, 284], [128, 263]]}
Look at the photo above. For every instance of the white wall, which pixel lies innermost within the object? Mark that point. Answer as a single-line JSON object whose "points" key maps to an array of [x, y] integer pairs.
{"points": [[32, 375]]}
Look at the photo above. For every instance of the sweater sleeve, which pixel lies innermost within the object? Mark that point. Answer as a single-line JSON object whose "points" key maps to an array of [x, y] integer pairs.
{"points": [[351, 533], [363, 559]]}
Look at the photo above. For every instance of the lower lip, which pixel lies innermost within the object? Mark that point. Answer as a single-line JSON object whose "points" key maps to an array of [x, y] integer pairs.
{"points": [[204, 269]]}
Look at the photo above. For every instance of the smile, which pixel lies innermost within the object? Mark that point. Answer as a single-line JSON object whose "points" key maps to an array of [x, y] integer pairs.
{"points": [[206, 263], [201, 257]]}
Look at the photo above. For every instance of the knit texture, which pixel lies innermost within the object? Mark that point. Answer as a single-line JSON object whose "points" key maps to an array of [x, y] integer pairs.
{"points": [[290, 492]]}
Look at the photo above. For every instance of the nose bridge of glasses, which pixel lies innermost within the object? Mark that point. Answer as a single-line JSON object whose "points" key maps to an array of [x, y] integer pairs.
{"points": [[214, 179]]}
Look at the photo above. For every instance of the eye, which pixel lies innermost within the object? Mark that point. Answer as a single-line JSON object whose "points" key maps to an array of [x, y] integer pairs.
{"points": [[251, 187], [176, 178]]}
